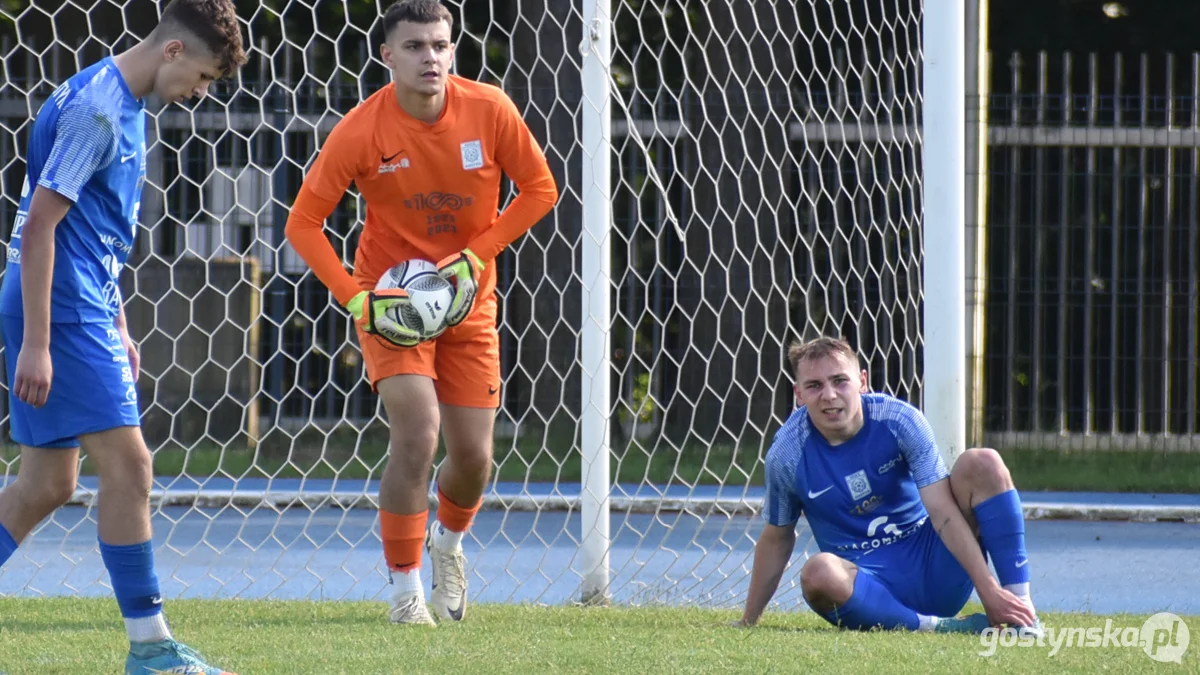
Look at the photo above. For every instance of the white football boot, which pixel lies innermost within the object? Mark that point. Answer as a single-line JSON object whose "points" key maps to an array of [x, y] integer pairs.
{"points": [[449, 597], [410, 609]]}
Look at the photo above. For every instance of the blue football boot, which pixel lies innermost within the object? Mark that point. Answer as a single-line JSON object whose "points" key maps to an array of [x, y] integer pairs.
{"points": [[167, 657]]}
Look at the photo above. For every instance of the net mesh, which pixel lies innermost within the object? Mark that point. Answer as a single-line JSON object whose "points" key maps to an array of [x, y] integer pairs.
{"points": [[765, 187]]}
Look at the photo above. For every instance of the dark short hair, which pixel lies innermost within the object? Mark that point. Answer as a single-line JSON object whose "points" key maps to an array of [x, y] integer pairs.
{"points": [[415, 11], [820, 348], [213, 22]]}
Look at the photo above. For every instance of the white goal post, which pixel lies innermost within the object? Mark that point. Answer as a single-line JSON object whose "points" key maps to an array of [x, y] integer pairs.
{"points": [[735, 175]]}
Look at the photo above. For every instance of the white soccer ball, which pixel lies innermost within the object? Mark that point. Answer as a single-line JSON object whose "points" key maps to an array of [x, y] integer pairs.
{"points": [[431, 295]]}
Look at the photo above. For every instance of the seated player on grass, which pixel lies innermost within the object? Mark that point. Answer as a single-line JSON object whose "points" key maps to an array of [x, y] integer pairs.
{"points": [[902, 539]]}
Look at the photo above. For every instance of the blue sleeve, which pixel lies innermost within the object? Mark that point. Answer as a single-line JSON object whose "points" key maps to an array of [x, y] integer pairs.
{"points": [[780, 505], [919, 447], [85, 140]]}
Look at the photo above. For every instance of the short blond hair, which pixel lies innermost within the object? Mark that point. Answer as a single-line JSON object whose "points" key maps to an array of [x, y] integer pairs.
{"points": [[820, 348]]}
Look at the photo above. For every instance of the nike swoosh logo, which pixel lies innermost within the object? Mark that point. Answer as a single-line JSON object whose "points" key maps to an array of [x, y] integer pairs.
{"points": [[1023, 563], [388, 159], [455, 613], [492, 391], [125, 158], [814, 495]]}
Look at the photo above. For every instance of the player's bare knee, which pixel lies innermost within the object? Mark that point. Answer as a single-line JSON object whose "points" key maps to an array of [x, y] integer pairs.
{"points": [[469, 433], [130, 472], [415, 445], [826, 581], [472, 458], [44, 493], [126, 468], [57, 490], [983, 470]]}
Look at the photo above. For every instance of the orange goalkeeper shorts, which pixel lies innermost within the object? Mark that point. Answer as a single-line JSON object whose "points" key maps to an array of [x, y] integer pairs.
{"points": [[464, 361]]}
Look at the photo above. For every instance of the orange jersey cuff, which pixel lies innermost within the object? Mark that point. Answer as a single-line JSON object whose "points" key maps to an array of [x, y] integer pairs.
{"points": [[305, 232]]}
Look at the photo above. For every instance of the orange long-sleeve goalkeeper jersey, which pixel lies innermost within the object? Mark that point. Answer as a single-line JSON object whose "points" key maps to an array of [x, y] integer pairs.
{"points": [[431, 189]]}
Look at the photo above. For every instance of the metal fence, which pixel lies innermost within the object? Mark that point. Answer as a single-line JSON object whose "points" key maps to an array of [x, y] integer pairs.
{"points": [[1091, 269], [1093, 193]]}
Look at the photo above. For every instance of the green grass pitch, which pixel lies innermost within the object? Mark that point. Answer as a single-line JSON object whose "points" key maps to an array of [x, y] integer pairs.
{"points": [[70, 636]]}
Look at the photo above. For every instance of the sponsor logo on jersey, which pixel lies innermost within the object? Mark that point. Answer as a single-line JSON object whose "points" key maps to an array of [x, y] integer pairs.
{"points": [[392, 163], [888, 466], [113, 242], [866, 506], [437, 201], [19, 224], [60, 95], [889, 533], [111, 293], [111, 265]]}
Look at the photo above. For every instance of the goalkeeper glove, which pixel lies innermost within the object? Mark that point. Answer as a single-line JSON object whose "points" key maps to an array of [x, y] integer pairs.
{"points": [[374, 313], [463, 270]]}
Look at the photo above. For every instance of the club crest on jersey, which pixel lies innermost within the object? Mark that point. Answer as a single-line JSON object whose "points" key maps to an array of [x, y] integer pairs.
{"points": [[472, 155], [859, 485]]}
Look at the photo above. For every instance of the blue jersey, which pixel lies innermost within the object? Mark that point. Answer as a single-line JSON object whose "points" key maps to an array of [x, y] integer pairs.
{"points": [[88, 144], [860, 496]]}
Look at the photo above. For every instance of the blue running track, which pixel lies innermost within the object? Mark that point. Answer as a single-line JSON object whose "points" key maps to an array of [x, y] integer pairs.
{"points": [[522, 556]]}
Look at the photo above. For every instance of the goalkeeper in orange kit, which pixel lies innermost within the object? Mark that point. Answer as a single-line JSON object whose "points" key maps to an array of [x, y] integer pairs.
{"points": [[427, 153]]}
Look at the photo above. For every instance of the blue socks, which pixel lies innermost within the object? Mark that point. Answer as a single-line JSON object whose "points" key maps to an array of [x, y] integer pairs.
{"points": [[134, 582], [871, 605], [8, 546], [131, 569], [1002, 528]]}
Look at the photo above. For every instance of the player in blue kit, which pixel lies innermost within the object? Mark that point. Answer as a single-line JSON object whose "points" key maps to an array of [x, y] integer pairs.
{"points": [[71, 365], [902, 539]]}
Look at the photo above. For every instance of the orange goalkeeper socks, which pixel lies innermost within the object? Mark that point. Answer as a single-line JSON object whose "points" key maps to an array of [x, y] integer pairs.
{"points": [[403, 538], [454, 517]]}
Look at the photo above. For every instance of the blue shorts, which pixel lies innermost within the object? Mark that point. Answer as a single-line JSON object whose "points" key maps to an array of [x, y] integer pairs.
{"points": [[921, 573], [92, 388]]}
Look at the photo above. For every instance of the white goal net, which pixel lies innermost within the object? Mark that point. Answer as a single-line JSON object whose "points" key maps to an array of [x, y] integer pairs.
{"points": [[764, 185]]}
